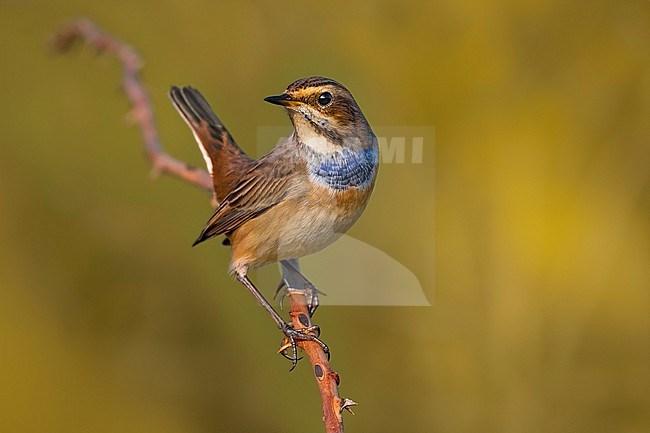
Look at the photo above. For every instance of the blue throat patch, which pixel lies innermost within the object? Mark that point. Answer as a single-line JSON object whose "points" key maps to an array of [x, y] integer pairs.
{"points": [[345, 169]]}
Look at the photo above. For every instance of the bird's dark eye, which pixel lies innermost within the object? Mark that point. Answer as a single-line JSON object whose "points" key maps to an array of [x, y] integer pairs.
{"points": [[324, 99]]}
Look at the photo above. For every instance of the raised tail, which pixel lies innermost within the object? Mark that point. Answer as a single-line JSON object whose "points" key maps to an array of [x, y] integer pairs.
{"points": [[225, 160]]}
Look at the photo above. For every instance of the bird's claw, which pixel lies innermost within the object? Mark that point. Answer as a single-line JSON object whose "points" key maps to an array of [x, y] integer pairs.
{"points": [[279, 291], [310, 333], [310, 291]]}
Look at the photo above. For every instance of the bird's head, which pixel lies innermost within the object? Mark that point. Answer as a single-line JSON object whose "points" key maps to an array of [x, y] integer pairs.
{"points": [[323, 109]]}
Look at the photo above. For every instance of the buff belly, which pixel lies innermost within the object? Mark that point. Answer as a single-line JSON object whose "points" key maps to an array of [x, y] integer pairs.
{"points": [[297, 228]]}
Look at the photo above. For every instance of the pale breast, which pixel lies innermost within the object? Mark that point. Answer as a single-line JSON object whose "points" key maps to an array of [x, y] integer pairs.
{"points": [[323, 204], [299, 227]]}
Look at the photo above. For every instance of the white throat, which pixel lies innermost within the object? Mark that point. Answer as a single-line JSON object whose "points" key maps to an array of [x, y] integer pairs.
{"points": [[317, 142], [305, 132]]}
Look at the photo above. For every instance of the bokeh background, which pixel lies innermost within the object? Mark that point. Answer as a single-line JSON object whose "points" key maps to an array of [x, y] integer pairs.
{"points": [[526, 224]]}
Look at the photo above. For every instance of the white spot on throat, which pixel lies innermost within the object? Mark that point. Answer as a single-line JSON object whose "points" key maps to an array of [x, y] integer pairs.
{"points": [[319, 143], [310, 137]]}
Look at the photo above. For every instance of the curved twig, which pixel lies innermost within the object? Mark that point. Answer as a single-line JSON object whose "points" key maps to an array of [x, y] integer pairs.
{"points": [[141, 111]]}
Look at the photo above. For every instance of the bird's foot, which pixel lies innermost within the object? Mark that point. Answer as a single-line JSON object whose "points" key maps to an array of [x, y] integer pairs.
{"points": [[292, 335], [309, 290]]}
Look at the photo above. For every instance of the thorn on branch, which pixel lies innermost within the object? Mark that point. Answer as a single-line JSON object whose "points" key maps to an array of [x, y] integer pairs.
{"points": [[346, 404]]}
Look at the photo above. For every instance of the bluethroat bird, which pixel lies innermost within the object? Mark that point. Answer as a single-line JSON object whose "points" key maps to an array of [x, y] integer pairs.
{"points": [[298, 198]]}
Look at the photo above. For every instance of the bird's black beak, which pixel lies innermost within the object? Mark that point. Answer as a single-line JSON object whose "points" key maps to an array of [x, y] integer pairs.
{"points": [[284, 99]]}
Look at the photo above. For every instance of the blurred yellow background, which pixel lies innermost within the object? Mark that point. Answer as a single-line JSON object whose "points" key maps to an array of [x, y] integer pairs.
{"points": [[536, 263]]}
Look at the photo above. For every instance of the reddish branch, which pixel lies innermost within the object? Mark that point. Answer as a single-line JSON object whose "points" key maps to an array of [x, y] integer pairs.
{"points": [[141, 110], [142, 113], [326, 378]]}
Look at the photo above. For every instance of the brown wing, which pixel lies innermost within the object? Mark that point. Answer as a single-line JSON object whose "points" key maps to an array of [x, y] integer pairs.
{"points": [[261, 188], [224, 158]]}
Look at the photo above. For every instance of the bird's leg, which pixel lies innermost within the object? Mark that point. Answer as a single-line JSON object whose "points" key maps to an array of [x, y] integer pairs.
{"points": [[292, 279], [292, 335]]}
